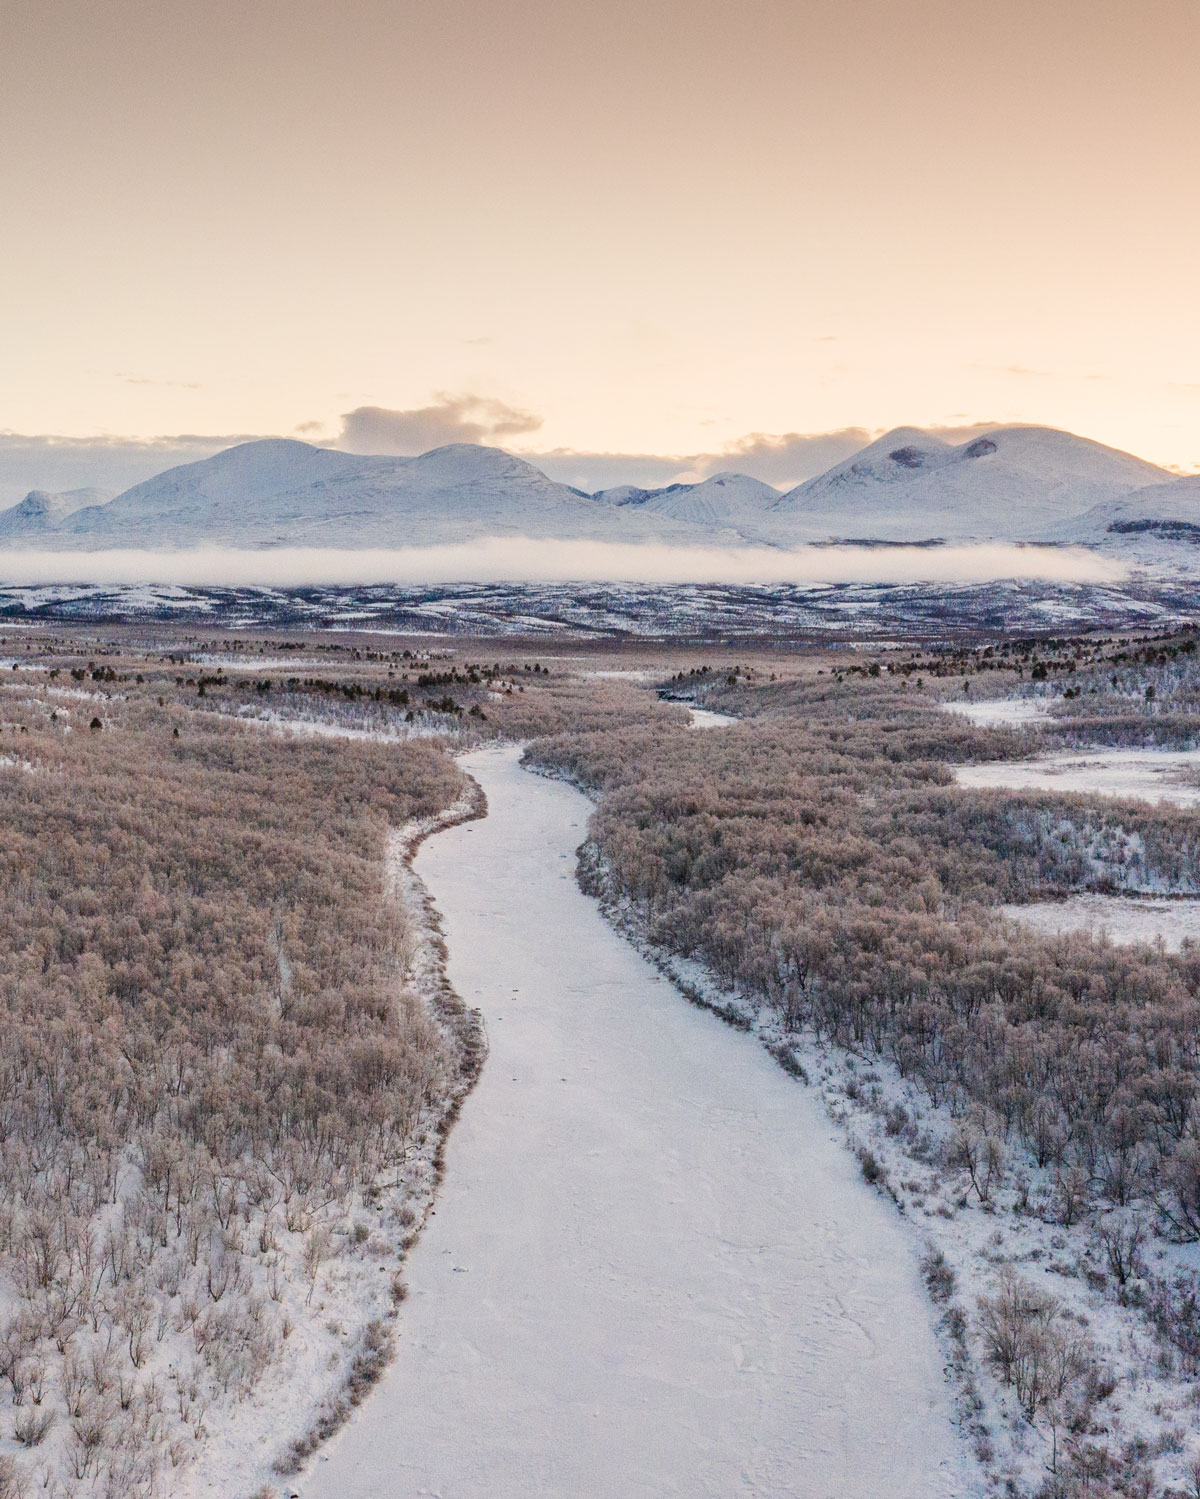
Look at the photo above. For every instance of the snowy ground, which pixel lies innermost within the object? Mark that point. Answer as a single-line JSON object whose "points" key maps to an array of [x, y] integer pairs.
{"points": [[1001, 711], [229, 662], [709, 718], [1122, 919], [631, 674], [1152, 775], [385, 731], [651, 1271]]}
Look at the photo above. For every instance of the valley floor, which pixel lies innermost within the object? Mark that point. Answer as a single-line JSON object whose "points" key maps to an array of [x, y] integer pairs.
{"points": [[651, 1270]]}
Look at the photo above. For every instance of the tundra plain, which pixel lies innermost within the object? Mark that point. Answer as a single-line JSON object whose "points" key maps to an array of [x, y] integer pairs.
{"points": [[234, 1054]]}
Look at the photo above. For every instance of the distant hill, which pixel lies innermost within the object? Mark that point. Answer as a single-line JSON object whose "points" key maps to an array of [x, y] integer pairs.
{"points": [[1159, 523], [40, 511], [727, 500], [1009, 484]]}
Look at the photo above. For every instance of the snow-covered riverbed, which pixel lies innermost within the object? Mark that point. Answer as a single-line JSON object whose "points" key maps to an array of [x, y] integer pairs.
{"points": [[651, 1271]]}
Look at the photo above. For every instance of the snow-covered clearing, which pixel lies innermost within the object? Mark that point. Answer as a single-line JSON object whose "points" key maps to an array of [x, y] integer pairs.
{"points": [[628, 674], [651, 1271], [1152, 775], [1121, 919], [709, 718], [255, 663], [1001, 711], [82, 695], [422, 727]]}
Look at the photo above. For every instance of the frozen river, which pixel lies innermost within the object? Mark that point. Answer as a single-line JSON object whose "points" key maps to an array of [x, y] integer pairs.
{"points": [[651, 1272]]}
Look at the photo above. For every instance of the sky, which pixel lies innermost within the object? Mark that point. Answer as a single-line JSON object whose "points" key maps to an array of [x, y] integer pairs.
{"points": [[633, 238]]}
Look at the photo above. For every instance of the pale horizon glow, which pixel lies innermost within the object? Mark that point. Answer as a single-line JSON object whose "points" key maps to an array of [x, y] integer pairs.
{"points": [[653, 227], [526, 560]]}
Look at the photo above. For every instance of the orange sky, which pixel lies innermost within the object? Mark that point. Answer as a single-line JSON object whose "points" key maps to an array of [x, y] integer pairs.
{"points": [[658, 225]]}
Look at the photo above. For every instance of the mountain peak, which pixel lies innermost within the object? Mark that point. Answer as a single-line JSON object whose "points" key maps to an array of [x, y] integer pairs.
{"points": [[1008, 481]]}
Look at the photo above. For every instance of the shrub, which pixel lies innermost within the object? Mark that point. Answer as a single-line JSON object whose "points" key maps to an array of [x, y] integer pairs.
{"points": [[1030, 1346], [872, 1171], [940, 1279]]}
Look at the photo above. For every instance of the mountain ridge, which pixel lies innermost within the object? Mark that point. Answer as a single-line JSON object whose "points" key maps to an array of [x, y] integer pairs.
{"points": [[279, 491], [1017, 483]]}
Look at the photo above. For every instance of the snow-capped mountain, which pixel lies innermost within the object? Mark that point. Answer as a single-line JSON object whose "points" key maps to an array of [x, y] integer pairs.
{"points": [[281, 492], [725, 500], [1011, 484], [40, 511]]}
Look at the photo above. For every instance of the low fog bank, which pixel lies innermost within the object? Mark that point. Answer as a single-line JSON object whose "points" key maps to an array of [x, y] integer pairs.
{"points": [[522, 560]]}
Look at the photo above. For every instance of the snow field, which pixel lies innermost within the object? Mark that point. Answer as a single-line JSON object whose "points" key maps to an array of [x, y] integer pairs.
{"points": [[1151, 775], [1122, 920], [1001, 711], [709, 718]]}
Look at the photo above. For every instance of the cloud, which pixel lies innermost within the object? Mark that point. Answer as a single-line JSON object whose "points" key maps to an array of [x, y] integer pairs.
{"points": [[1023, 371], [789, 458], [462, 418], [523, 560], [783, 460], [165, 384]]}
